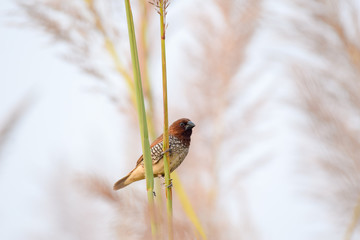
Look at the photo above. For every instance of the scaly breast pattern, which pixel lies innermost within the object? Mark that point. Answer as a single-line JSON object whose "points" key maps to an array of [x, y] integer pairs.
{"points": [[177, 154]]}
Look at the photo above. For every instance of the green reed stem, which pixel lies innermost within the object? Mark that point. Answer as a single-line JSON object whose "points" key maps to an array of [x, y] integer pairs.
{"points": [[142, 117], [168, 188]]}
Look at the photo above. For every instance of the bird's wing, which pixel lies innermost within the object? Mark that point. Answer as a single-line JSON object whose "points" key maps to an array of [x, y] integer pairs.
{"points": [[156, 141]]}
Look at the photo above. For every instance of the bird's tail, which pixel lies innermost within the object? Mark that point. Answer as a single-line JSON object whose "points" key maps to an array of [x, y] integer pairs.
{"points": [[122, 182]]}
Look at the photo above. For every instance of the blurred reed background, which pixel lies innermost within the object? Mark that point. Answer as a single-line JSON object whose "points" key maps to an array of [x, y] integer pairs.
{"points": [[272, 86]]}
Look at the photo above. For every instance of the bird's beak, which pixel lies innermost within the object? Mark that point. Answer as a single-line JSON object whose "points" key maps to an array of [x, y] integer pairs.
{"points": [[189, 125]]}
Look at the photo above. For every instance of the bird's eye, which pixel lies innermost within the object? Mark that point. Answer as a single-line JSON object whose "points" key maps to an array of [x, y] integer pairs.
{"points": [[182, 124]]}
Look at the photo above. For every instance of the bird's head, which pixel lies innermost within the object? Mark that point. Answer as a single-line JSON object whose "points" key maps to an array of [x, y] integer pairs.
{"points": [[182, 128]]}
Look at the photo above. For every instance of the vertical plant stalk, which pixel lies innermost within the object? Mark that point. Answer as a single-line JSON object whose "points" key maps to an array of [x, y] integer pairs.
{"points": [[168, 189], [354, 221], [142, 117], [161, 6]]}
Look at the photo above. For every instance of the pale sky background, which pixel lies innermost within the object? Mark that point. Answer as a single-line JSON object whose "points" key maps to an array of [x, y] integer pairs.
{"points": [[65, 121]]}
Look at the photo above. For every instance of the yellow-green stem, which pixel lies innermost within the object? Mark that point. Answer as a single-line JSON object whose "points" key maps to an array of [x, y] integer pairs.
{"points": [[142, 117], [168, 188]]}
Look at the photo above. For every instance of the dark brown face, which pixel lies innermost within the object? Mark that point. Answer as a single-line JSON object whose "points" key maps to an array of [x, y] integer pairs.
{"points": [[182, 127]]}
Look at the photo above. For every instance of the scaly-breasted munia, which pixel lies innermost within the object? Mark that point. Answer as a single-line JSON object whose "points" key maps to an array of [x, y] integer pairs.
{"points": [[179, 143]]}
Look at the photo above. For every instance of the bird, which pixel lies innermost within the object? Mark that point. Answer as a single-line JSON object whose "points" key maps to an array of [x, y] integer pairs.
{"points": [[179, 142]]}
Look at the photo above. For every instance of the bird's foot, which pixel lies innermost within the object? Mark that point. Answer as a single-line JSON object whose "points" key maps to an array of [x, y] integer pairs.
{"points": [[162, 177], [164, 184], [168, 150], [154, 193]]}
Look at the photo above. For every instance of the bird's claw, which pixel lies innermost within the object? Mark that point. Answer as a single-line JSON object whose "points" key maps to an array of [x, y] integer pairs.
{"points": [[168, 150], [168, 186], [154, 193], [163, 181]]}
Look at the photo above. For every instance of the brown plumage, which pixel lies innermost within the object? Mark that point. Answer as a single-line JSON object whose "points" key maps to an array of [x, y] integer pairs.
{"points": [[179, 142]]}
